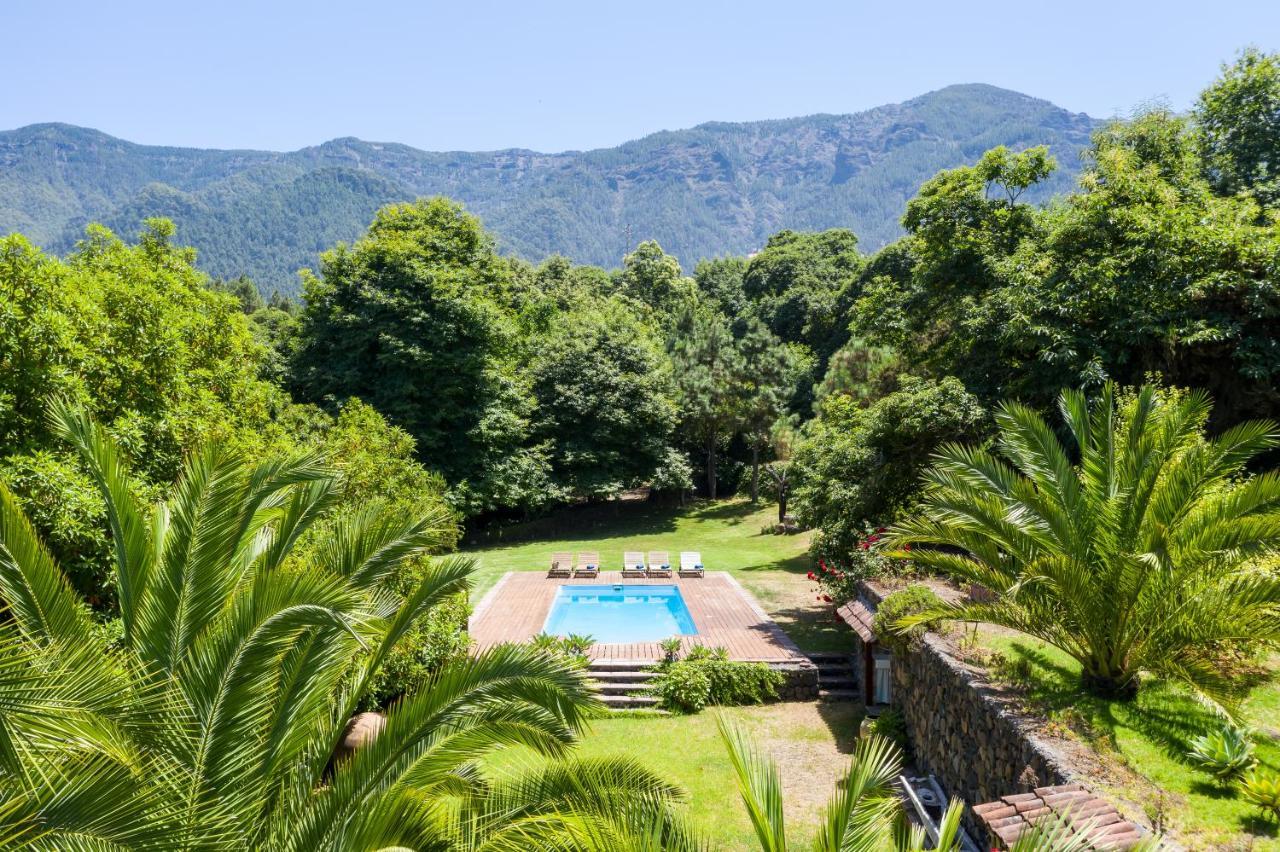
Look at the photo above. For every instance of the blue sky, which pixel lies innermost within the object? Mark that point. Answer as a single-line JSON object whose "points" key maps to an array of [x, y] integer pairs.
{"points": [[558, 75]]}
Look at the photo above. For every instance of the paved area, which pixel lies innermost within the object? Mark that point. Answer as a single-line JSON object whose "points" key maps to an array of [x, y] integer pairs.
{"points": [[725, 614]]}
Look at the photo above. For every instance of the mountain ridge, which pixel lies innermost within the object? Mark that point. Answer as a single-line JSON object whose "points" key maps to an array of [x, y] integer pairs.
{"points": [[712, 189]]}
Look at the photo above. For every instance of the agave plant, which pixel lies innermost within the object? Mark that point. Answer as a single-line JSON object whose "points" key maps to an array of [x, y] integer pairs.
{"points": [[1130, 546], [1224, 754], [214, 723], [1263, 789]]}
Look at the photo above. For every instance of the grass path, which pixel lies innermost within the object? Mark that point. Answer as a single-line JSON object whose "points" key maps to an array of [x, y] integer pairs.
{"points": [[727, 533]]}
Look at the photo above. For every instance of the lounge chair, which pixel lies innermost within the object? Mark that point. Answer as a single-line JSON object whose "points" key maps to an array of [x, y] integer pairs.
{"points": [[659, 564], [691, 564], [588, 564], [633, 564], [561, 565]]}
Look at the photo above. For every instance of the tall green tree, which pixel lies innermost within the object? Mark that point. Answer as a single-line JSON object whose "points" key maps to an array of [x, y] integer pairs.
{"points": [[213, 722], [709, 389], [1130, 545], [858, 465], [801, 285], [604, 392], [770, 372], [653, 277], [1238, 118], [413, 320]]}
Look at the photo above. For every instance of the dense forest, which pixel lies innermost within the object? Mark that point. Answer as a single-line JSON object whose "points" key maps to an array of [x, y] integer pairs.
{"points": [[716, 189], [442, 376]]}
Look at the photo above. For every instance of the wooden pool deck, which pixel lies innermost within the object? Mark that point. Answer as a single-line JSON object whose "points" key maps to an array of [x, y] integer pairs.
{"points": [[725, 614]]}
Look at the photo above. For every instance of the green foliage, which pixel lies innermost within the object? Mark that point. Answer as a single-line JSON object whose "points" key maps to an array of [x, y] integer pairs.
{"points": [[1262, 789], [213, 721], [708, 374], [864, 813], [653, 277], [411, 320], [856, 465], [707, 676], [1238, 119], [918, 603], [571, 650], [604, 399], [1226, 754], [1149, 267], [1087, 539], [891, 725], [437, 639], [801, 286]]}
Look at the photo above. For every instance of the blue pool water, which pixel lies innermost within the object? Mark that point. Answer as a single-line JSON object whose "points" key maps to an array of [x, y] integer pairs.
{"points": [[620, 613]]}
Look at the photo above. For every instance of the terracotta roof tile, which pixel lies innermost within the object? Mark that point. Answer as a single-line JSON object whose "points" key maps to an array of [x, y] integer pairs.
{"points": [[1098, 819], [860, 615]]}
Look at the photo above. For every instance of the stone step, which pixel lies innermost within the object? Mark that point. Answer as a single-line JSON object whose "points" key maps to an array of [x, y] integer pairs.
{"points": [[838, 695], [820, 657], [618, 666], [835, 670], [621, 687], [836, 683], [629, 702], [621, 677]]}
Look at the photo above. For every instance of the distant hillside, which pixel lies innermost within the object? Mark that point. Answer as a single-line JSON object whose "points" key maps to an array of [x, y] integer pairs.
{"points": [[715, 189]]}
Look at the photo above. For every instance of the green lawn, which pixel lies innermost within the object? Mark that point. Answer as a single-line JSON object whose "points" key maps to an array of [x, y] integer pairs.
{"points": [[811, 743], [727, 533], [1149, 737]]}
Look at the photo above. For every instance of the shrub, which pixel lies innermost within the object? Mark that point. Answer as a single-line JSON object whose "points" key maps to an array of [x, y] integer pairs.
{"points": [[1225, 754], [912, 600], [1263, 790], [891, 725], [439, 637], [684, 687], [670, 649], [838, 579], [707, 676], [572, 648]]}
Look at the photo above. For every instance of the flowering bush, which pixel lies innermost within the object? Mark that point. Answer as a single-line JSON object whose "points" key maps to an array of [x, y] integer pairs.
{"points": [[837, 580]]}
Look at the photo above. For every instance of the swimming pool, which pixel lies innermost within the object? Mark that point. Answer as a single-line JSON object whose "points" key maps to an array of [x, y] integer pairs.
{"points": [[618, 614]]}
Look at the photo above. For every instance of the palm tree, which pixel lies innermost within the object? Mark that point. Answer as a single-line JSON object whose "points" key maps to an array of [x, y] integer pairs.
{"points": [[212, 723], [1131, 546]]}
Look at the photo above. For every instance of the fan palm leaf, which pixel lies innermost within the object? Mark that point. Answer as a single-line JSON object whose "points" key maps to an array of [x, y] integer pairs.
{"points": [[1131, 544], [214, 725]]}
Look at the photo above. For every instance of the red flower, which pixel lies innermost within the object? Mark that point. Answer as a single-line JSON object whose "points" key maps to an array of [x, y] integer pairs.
{"points": [[827, 598], [881, 529], [811, 577], [865, 546], [906, 547]]}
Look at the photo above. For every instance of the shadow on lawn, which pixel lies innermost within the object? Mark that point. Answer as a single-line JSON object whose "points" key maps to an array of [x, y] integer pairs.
{"points": [[1161, 715]]}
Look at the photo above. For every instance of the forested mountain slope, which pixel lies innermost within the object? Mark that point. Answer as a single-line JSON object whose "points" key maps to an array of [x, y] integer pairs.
{"points": [[714, 189]]}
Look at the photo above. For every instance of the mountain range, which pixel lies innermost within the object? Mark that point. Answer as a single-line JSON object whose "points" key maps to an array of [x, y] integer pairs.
{"points": [[715, 189]]}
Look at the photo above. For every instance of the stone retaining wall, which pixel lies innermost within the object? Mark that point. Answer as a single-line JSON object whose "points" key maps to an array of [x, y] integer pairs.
{"points": [[801, 682], [962, 733]]}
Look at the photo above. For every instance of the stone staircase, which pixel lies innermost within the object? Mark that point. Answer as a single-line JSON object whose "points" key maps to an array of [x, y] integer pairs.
{"points": [[623, 686], [835, 677]]}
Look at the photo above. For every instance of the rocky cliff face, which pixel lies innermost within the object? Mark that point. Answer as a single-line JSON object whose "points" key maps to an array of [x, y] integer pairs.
{"points": [[715, 189]]}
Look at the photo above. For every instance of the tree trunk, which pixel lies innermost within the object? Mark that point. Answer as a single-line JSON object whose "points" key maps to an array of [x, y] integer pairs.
{"points": [[755, 472], [711, 469], [782, 502], [1122, 687]]}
